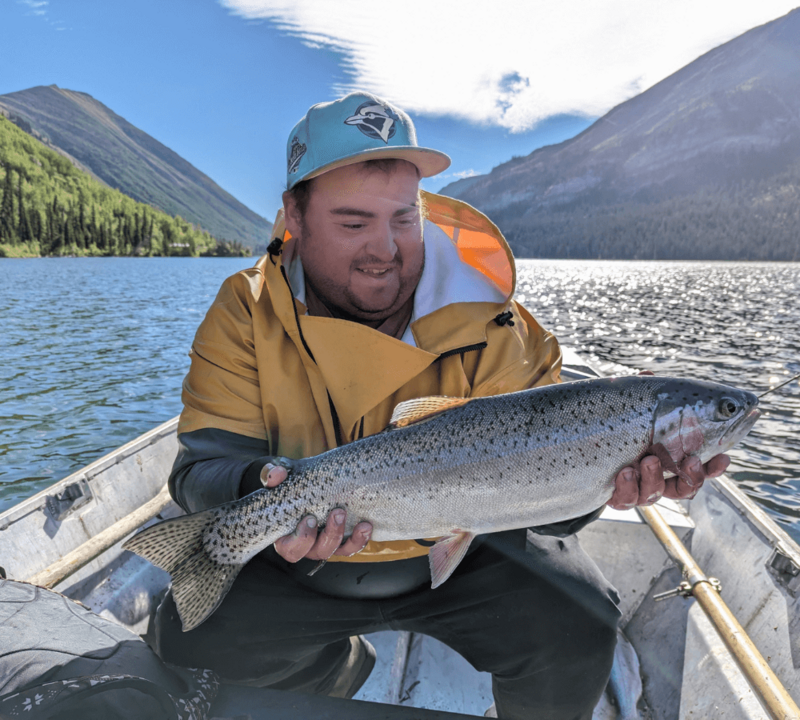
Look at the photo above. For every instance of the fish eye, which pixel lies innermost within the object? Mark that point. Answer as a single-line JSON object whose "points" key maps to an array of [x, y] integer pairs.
{"points": [[727, 408]]}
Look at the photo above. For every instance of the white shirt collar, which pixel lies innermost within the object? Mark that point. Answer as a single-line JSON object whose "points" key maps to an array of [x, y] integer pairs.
{"points": [[446, 279]]}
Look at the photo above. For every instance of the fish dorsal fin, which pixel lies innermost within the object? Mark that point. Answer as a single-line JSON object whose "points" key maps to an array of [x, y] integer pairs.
{"points": [[421, 410]]}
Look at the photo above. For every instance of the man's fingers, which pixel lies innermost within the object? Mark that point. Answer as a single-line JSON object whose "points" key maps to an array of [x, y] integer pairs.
{"points": [[695, 470], [680, 488], [357, 541], [304, 542], [651, 487], [626, 489], [272, 475], [717, 465], [296, 546], [331, 537]]}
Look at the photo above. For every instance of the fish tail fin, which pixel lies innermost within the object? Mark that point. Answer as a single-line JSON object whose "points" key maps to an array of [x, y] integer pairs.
{"points": [[199, 583], [200, 586]]}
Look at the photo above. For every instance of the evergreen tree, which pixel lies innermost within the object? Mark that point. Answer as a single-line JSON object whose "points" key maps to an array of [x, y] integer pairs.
{"points": [[75, 235], [66, 238], [24, 231], [81, 216], [54, 227], [150, 236], [94, 231], [36, 226], [7, 233]]}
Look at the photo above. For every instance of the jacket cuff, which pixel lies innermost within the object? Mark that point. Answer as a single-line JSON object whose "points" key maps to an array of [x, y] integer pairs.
{"points": [[210, 466], [251, 478]]}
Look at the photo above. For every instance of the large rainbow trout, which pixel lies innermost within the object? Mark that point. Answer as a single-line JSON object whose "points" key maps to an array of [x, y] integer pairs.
{"points": [[453, 468]]}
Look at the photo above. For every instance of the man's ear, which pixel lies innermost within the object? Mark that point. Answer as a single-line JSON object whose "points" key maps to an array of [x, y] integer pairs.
{"points": [[291, 215]]}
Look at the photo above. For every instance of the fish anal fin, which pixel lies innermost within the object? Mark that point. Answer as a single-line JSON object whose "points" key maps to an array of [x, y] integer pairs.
{"points": [[446, 554], [423, 409]]}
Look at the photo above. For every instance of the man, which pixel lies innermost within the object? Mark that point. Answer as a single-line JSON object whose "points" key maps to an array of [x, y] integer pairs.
{"points": [[373, 293]]}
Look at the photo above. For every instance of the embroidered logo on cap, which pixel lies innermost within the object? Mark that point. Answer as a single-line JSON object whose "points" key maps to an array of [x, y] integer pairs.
{"points": [[296, 153], [375, 121]]}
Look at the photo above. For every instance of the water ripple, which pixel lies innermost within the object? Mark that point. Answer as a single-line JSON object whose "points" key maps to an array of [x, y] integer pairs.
{"points": [[735, 323], [93, 354], [94, 351]]}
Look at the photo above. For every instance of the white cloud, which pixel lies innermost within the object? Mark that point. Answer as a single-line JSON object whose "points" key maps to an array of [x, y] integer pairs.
{"points": [[37, 6], [511, 62]]}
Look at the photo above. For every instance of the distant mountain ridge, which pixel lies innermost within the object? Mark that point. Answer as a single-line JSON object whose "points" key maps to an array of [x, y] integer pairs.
{"points": [[715, 147], [128, 159]]}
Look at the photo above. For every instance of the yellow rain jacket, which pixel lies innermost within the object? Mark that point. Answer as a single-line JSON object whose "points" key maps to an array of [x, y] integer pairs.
{"points": [[263, 368]]}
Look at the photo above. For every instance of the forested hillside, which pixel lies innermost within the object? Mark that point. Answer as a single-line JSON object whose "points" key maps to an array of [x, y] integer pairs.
{"points": [[49, 207], [128, 159], [752, 221]]}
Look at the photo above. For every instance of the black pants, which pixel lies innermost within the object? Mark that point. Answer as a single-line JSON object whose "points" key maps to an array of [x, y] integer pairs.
{"points": [[542, 620]]}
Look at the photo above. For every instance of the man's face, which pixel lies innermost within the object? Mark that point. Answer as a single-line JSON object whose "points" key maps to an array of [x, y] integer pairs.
{"points": [[360, 240]]}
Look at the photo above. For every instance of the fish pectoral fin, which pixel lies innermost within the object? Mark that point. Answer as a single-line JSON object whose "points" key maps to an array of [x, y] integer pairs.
{"points": [[423, 409], [446, 554], [667, 462]]}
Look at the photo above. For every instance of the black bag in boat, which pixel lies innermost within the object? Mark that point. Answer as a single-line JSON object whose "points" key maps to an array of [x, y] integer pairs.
{"points": [[60, 660]]}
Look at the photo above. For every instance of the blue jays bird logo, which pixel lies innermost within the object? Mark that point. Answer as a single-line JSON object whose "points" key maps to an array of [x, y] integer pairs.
{"points": [[375, 121], [296, 153]]}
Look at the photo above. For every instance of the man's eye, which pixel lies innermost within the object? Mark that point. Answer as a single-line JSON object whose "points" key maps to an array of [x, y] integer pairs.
{"points": [[353, 226]]}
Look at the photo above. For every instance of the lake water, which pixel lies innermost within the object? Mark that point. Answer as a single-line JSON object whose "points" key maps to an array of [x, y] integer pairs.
{"points": [[93, 350]]}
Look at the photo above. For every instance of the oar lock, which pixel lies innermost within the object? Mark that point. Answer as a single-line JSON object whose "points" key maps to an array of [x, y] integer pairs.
{"points": [[686, 588]]}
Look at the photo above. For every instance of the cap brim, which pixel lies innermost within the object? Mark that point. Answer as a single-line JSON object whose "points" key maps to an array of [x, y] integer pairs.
{"points": [[429, 162]]}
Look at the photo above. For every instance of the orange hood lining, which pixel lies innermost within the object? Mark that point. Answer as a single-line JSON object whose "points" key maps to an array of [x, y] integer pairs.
{"points": [[478, 240]]}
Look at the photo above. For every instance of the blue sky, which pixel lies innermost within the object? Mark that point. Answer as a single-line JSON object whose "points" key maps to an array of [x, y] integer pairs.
{"points": [[222, 82]]}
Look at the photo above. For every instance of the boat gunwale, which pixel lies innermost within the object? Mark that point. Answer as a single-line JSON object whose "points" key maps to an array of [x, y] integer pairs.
{"points": [[750, 510], [88, 472]]}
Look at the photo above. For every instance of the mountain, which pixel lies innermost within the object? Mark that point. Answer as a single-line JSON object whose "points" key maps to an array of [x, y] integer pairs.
{"points": [[50, 207], [129, 160], [705, 164]]}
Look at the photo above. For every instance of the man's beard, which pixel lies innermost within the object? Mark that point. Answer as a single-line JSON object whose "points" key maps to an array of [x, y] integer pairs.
{"points": [[357, 309]]}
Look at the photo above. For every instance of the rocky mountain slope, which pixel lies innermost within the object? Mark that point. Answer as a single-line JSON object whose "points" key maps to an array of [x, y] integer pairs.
{"points": [[705, 164], [129, 160], [48, 207]]}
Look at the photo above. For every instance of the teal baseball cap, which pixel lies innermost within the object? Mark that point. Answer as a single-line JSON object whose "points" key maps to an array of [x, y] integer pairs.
{"points": [[353, 129]]}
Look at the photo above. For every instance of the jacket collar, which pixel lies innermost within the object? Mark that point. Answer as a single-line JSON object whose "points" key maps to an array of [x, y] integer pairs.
{"points": [[361, 366]]}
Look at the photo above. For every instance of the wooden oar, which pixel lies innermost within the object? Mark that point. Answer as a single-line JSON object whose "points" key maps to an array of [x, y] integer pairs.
{"points": [[84, 554], [765, 684]]}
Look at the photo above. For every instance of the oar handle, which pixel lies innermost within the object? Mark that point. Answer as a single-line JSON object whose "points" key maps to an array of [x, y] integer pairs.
{"points": [[84, 554]]}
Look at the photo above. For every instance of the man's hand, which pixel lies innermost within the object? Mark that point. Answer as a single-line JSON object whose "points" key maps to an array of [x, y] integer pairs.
{"points": [[644, 484], [304, 541]]}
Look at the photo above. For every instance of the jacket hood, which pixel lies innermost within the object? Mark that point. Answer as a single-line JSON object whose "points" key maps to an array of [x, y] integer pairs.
{"points": [[474, 239]]}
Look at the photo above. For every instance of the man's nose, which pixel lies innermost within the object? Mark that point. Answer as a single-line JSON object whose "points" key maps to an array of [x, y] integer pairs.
{"points": [[382, 244]]}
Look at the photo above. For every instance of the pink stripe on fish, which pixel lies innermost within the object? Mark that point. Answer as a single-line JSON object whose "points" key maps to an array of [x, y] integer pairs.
{"points": [[691, 433]]}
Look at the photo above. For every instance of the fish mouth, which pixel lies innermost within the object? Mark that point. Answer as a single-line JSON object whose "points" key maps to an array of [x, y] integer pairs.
{"points": [[741, 428]]}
